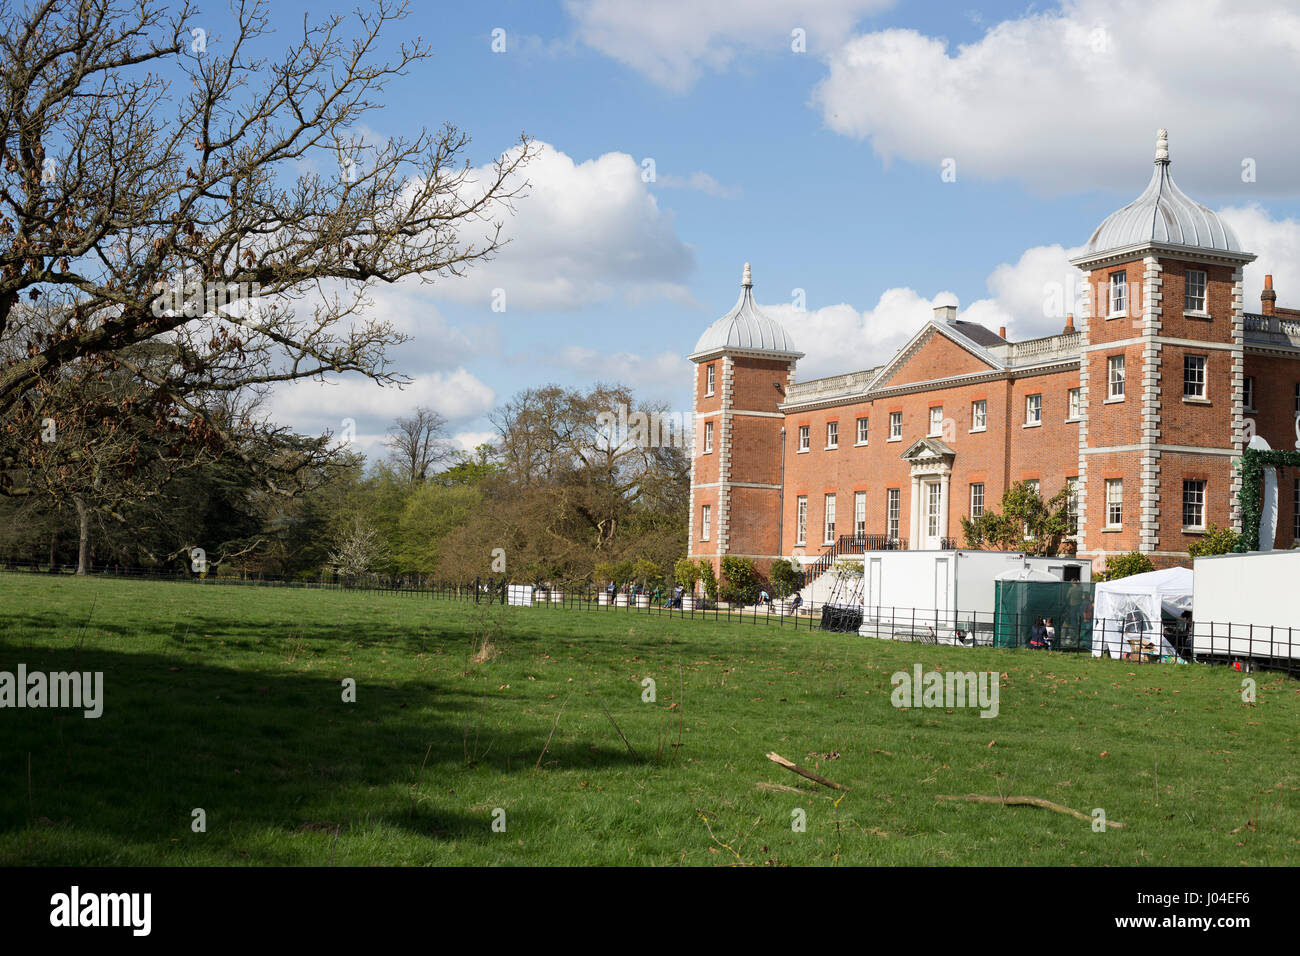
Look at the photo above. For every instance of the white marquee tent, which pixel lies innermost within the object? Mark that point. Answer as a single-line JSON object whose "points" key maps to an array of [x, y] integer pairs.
{"points": [[1129, 610]]}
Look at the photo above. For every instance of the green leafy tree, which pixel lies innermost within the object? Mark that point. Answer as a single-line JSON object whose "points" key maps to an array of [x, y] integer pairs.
{"points": [[709, 579], [622, 572], [1027, 522], [740, 580], [1126, 565], [1215, 541], [686, 572], [785, 578], [646, 572]]}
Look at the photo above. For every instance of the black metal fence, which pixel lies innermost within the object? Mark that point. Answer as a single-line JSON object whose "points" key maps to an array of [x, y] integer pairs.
{"points": [[1245, 647]]}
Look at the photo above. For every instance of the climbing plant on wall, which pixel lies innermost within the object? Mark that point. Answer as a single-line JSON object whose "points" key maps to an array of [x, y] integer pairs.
{"points": [[1251, 496]]}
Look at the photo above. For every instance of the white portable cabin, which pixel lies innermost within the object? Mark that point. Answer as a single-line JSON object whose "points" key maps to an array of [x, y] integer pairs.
{"points": [[1247, 605], [945, 596]]}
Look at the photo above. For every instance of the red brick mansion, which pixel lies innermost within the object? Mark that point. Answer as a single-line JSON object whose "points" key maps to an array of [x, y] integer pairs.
{"points": [[1142, 406]]}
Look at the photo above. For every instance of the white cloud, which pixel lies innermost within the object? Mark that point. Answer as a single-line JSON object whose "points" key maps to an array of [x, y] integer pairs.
{"points": [[1276, 242], [468, 441], [313, 406], [700, 182], [1023, 297], [584, 233], [1028, 296], [839, 338], [628, 368], [1071, 99], [674, 41]]}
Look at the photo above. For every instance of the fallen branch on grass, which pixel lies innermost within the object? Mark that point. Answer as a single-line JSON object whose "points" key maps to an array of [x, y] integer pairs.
{"points": [[776, 788], [546, 746], [1026, 802], [801, 771], [616, 727]]}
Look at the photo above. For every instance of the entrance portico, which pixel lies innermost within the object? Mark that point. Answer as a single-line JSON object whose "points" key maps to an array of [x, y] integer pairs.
{"points": [[931, 473]]}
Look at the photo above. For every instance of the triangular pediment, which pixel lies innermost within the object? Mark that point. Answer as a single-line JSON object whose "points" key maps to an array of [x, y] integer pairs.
{"points": [[926, 448], [934, 352]]}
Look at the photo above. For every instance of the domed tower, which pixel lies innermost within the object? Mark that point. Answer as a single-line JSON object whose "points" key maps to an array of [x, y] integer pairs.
{"points": [[743, 364], [1161, 374]]}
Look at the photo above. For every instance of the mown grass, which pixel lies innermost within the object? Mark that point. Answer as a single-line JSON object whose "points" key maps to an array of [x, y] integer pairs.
{"points": [[229, 699]]}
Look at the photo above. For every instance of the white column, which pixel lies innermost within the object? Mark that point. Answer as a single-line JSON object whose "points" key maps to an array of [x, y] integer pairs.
{"points": [[943, 505], [914, 510]]}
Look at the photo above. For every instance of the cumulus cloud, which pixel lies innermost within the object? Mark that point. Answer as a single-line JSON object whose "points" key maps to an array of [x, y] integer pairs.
{"points": [[1071, 99], [673, 42], [1276, 242], [316, 406], [468, 441], [1029, 296], [839, 338], [584, 233]]}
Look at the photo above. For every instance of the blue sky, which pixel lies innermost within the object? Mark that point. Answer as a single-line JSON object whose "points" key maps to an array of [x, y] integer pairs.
{"points": [[822, 168]]}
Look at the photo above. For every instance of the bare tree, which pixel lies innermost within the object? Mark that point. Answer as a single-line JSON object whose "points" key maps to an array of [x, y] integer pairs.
{"points": [[418, 443], [130, 210], [357, 549]]}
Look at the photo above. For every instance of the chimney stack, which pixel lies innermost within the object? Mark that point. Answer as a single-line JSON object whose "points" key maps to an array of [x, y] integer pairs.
{"points": [[1069, 323], [1268, 298], [1003, 331], [945, 313]]}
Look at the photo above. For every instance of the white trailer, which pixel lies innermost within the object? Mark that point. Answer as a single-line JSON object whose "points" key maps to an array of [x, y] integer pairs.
{"points": [[944, 597], [1247, 606]]}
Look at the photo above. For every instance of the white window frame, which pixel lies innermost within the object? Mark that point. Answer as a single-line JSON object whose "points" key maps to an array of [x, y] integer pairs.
{"points": [[976, 500], [1190, 378], [979, 415], [710, 379], [1191, 303], [1114, 500], [1072, 505], [859, 514], [893, 512], [804, 437], [1033, 410], [1248, 393], [1074, 405], [895, 426], [1118, 302], [708, 438], [1114, 363], [1194, 497], [833, 434], [828, 520], [864, 430], [801, 520], [936, 423], [705, 517]]}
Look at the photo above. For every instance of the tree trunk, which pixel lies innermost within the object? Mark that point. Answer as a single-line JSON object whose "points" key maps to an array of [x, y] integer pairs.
{"points": [[54, 538], [83, 544]]}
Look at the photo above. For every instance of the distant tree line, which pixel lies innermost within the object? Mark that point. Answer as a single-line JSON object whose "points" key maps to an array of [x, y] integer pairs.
{"points": [[548, 500]]}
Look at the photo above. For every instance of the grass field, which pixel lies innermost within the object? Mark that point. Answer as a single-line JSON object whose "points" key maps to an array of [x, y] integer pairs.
{"points": [[230, 699]]}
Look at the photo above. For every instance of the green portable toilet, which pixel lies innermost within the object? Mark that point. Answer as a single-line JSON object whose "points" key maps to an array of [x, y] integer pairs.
{"points": [[1024, 595]]}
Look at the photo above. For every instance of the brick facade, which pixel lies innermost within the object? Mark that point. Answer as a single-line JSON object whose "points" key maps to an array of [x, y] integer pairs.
{"points": [[1152, 439]]}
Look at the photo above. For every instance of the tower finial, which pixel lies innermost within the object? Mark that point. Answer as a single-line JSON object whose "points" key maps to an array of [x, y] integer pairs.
{"points": [[1162, 146], [746, 281]]}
